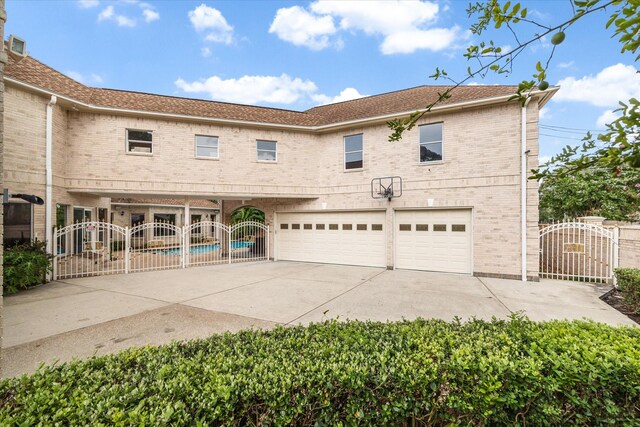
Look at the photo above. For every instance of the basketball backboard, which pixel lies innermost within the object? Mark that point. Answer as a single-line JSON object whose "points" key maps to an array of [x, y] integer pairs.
{"points": [[386, 187]]}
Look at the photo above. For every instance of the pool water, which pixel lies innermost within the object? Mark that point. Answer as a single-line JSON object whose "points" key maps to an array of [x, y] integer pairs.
{"points": [[203, 249]]}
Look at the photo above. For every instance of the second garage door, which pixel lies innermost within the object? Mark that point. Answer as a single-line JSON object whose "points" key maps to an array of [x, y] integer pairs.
{"points": [[433, 240], [353, 238]]}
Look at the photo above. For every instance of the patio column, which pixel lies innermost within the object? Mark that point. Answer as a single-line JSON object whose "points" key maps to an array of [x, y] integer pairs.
{"points": [[187, 213]]}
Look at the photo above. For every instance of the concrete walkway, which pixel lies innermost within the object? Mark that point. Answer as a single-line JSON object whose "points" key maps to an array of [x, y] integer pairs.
{"points": [[99, 315]]}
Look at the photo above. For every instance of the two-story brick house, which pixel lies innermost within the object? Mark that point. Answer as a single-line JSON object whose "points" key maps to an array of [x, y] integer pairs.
{"points": [[466, 205]]}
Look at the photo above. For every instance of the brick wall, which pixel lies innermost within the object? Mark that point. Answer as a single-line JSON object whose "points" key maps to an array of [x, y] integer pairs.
{"points": [[480, 170], [629, 246]]}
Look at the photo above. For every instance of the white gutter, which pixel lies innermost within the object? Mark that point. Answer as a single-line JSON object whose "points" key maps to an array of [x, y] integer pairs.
{"points": [[385, 117], [48, 207], [523, 190]]}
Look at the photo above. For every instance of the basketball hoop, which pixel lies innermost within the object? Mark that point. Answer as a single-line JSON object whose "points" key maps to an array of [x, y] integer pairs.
{"points": [[386, 187]]}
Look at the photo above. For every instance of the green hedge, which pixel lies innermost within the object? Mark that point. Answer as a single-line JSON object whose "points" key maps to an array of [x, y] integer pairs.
{"points": [[629, 284], [25, 265], [420, 373]]}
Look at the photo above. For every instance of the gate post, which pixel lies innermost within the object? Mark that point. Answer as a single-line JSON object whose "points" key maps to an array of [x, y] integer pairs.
{"points": [[127, 251], [229, 243], [616, 254], [54, 250], [185, 246]]}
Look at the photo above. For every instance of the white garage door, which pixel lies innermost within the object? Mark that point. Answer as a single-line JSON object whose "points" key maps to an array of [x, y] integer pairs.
{"points": [[353, 238], [434, 240]]}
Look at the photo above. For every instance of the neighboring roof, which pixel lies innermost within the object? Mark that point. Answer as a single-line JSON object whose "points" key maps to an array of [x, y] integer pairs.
{"points": [[35, 73], [195, 203]]}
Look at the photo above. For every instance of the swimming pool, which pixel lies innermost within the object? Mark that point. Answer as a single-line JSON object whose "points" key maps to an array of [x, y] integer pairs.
{"points": [[203, 249]]}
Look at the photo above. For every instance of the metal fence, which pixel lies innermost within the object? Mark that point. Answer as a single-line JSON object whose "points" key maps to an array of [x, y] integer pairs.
{"points": [[578, 251], [100, 248]]}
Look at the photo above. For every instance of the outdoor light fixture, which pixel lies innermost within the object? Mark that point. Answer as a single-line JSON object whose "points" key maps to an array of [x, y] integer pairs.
{"points": [[26, 197]]}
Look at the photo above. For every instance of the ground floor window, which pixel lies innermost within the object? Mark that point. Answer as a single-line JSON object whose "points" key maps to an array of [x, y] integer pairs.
{"points": [[195, 219], [18, 223], [137, 219], [61, 221], [163, 218]]}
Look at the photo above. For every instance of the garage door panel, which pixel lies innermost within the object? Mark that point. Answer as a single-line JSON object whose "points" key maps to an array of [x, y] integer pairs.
{"points": [[421, 245], [344, 245]]}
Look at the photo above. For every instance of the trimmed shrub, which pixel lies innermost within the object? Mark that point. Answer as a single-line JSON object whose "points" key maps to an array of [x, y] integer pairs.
{"points": [[629, 285], [25, 265], [424, 372]]}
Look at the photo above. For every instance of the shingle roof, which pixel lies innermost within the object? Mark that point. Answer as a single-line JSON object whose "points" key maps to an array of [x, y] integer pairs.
{"points": [[35, 73]]}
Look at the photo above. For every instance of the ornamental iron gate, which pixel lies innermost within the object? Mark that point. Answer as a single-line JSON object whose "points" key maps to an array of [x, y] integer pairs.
{"points": [[89, 249], [578, 251], [99, 248]]}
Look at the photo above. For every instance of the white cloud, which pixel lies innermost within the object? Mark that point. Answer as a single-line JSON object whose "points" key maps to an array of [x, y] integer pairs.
{"points": [[404, 26], [544, 113], [125, 21], [96, 78], [150, 15], [282, 89], [301, 28], [346, 95], [567, 64], [252, 89], [87, 4], [607, 117], [543, 159], [108, 14], [378, 17], [434, 39], [81, 78], [615, 83], [205, 18], [205, 52], [75, 76]]}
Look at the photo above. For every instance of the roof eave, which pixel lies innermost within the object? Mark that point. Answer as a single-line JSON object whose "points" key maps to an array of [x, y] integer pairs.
{"points": [[74, 103]]}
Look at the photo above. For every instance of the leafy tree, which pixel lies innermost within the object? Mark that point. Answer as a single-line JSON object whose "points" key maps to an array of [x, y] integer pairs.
{"points": [[616, 148], [591, 191], [247, 214]]}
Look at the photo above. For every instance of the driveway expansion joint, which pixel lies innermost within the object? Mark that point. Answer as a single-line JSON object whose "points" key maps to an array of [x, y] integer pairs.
{"points": [[494, 295], [338, 296]]}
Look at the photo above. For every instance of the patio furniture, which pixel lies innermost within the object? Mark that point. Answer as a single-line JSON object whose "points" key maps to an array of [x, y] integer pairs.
{"points": [[155, 244]]}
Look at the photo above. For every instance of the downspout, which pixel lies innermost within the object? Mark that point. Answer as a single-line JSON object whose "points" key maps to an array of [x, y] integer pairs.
{"points": [[48, 207], [523, 190]]}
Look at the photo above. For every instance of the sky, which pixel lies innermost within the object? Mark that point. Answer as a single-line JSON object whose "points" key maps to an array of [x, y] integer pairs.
{"points": [[296, 55]]}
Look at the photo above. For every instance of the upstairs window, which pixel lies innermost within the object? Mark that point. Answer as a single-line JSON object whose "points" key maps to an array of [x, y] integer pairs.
{"points": [[431, 142], [139, 141], [207, 147], [353, 153], [266, 151]]}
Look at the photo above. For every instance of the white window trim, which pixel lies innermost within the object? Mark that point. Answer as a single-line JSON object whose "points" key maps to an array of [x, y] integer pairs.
{"points": [[274, 151], [127, 139], [420, 144], [344, 149], [195, 147]]}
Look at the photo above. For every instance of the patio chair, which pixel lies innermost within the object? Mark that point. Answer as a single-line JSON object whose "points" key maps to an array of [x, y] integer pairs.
{"points": [[95, 248], [155, 244]]}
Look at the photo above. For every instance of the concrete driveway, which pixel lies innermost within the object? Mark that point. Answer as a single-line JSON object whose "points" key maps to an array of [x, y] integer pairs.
{"points": [[98, 315]]}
